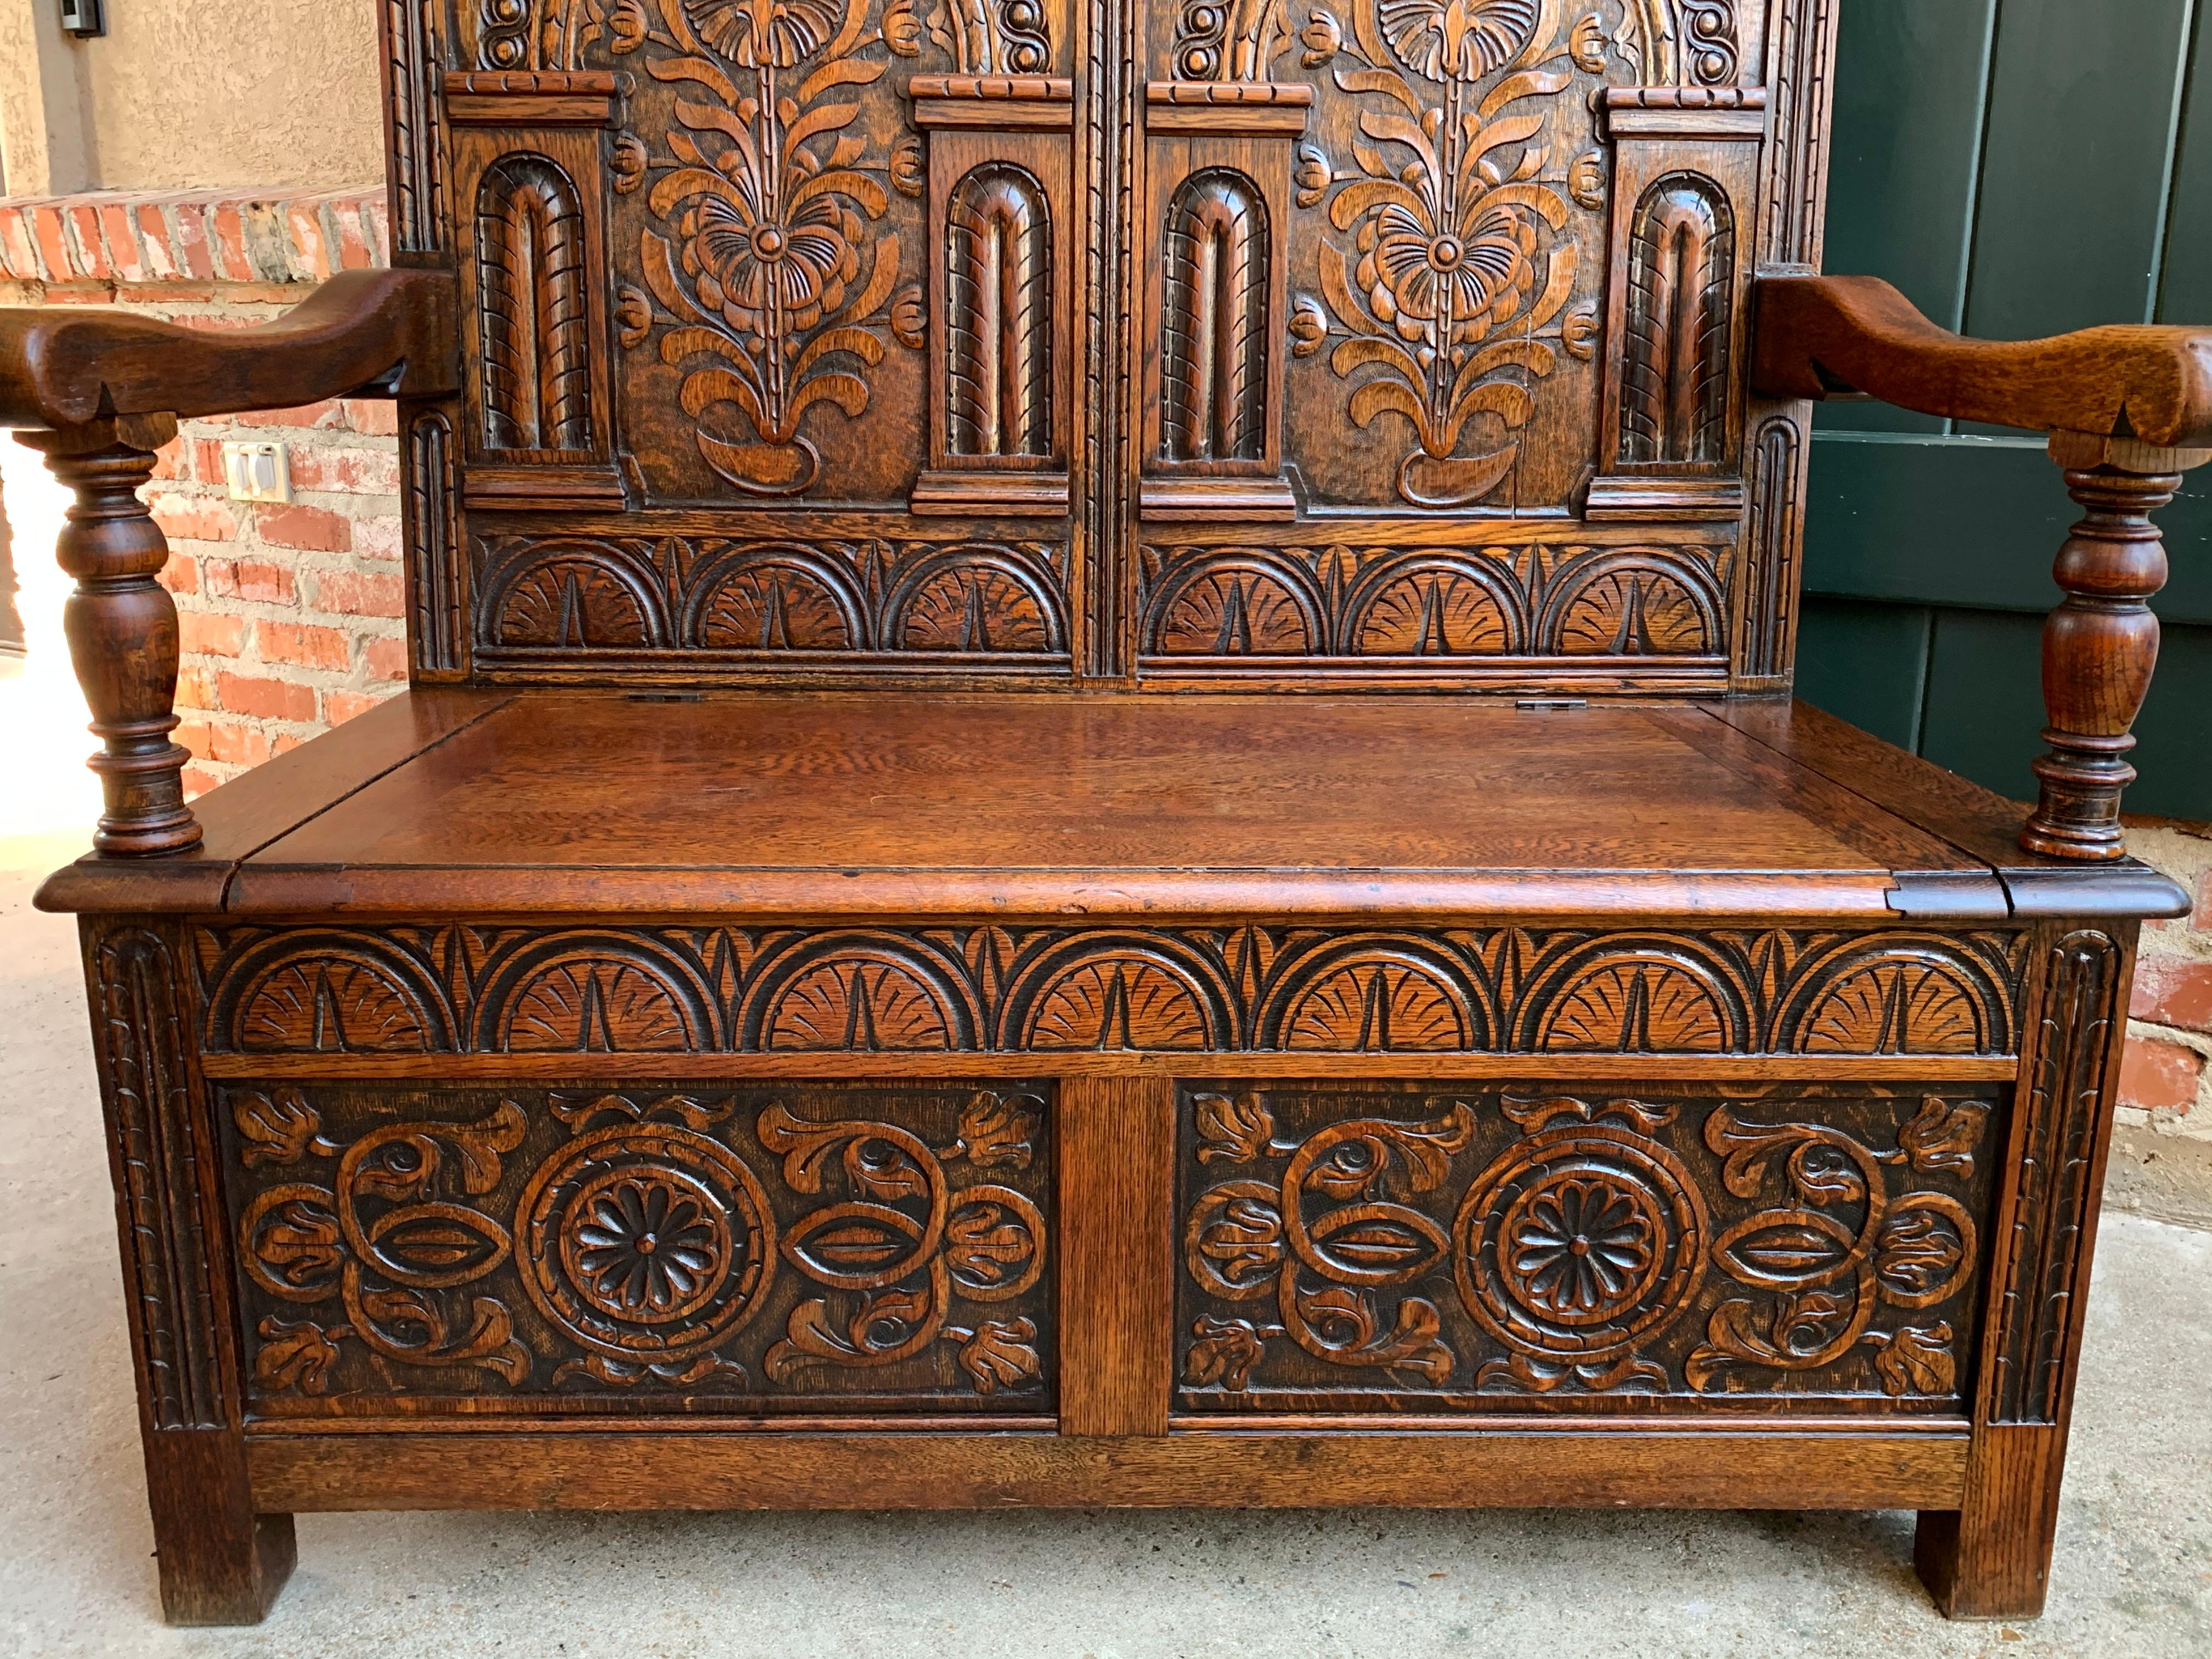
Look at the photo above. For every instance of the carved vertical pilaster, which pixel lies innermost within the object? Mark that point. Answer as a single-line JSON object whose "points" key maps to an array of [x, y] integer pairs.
{"points": [[530, 183], [1000, 152], [431, 462], [414, 58], [1217, 174], [1990, 1558], [220, 1564]]}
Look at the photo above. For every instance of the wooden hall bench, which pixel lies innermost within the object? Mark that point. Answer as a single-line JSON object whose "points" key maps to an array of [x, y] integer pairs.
{"points": [[1099, 802]]}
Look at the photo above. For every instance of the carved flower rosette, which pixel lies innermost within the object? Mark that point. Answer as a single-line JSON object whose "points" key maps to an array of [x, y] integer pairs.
{"points": [[1452, 163], [1578, 1246], [668, 1248]]}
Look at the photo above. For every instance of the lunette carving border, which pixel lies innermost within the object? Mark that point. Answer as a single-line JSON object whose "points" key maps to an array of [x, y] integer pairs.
{"points": [[491, 990], [800, 599], [1433, 603]]}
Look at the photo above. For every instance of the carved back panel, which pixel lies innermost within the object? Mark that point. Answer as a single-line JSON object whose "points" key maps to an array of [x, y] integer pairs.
{"points": [[1199, 344]]}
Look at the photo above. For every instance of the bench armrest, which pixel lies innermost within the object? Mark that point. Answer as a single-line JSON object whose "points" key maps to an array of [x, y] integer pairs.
{"points": [[98, 395], [2128, 409], [387, 333], [1820, 336]]}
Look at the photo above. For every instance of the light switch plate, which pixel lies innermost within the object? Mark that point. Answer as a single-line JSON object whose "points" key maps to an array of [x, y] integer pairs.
{"points": [[258, 472]]}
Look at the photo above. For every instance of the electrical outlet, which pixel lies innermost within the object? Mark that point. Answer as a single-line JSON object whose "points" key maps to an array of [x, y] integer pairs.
{"points": [[258, 472], [83, 17]]}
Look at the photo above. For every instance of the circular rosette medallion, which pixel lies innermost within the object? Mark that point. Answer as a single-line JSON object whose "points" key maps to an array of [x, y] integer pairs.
{"points": [[647, 1244], [1579, 1243]]}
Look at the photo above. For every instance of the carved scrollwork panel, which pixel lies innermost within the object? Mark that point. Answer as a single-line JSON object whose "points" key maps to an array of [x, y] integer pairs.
{"points": [[541, 991], [765, 1251], [1392, 1247]]}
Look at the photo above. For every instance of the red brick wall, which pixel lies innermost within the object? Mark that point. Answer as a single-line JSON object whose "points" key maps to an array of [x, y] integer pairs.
{"points": [[291, 613]]}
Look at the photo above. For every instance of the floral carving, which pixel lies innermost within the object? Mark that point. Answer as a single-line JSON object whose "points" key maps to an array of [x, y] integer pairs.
{"points": [[1354, 1250], [1836, 1248], [771, 289], [1324, 1237], [900, 1244], [1455, 275], [560, 1243], [393, 1236], [1580, 1244]]}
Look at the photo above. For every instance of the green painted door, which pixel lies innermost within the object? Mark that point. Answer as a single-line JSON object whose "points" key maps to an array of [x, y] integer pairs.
{"points": [[2018, 167]]}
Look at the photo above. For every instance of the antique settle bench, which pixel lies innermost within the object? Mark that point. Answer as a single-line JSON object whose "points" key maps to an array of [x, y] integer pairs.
{"points": [[1100, 805]]}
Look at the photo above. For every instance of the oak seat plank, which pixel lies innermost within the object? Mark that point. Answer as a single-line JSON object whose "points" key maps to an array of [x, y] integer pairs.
{"points": [[823, 805]]}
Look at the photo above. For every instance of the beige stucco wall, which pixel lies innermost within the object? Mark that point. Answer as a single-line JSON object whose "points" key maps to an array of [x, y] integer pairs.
{"points": [[192, 93]]}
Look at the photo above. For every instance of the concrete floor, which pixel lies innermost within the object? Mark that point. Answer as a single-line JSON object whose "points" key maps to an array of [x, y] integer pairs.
{"points": [[2134, 1574]]}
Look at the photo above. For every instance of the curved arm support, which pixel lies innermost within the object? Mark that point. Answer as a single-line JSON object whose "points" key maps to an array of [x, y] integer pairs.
{"points": [[383, 333], [2129, 411], [101, 395], [1821, 336]]}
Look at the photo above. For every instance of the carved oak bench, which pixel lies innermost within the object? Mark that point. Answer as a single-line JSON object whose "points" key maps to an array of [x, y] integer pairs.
{"points": [[1099, 804]]}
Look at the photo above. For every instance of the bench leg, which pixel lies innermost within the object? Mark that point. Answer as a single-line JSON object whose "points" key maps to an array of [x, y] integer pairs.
{"points": [[1992, 1558], [220, 1564]]}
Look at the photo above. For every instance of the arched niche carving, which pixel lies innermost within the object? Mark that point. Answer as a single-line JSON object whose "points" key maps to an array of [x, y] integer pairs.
{"points": [[998, 314]]}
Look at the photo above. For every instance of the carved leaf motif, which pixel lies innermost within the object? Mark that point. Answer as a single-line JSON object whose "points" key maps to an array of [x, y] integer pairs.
{"points": [[1227, 1351], [389, 1318], [297, 1244], [998, 1130], [535, 334], [1359, 1153], [1918, 1361], [989, 1247], [279, 1128], [889, 1325], [809, 1339], [1233, 1128], [806, 1146], [1341, 1322], [296, 1356], [1921, 1252], [999, 1355], [1234, 1240], [1214, 330], [1942, 1136]]}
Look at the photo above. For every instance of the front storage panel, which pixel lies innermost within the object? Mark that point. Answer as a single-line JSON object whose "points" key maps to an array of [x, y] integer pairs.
{"points": [[800, 1250], [1357, 1249]]}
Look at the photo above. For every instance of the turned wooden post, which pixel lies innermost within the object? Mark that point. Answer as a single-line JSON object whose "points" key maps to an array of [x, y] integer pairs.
{"points": [[2102, 644], [122, 629]]}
